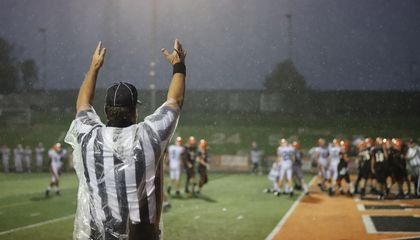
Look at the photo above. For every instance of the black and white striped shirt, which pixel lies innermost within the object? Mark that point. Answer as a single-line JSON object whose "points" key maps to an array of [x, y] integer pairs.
{"points": [[117, 170]]}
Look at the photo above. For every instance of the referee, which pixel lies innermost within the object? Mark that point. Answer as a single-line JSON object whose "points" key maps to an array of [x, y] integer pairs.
{"points": [[119, 163]]}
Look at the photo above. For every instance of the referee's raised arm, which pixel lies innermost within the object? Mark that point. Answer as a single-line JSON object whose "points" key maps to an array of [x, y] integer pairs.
{"points": [[87, 89], [176, 89]]}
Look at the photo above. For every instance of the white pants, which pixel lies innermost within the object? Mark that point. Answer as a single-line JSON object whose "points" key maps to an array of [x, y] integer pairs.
{"points": [[286, 169], [322, 167], [274, 173], [175, 173], [27, 164], [332, 171], [5, 164], [56, 176], [39, 161], [18, 164]]}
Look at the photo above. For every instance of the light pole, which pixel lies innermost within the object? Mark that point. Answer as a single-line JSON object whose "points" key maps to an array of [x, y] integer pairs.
{"points": [[152, 65], [290, 37], [43, 32]]}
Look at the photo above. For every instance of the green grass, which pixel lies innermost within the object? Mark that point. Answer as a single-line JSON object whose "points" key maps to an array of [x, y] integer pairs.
{"points": [[232, 205]]}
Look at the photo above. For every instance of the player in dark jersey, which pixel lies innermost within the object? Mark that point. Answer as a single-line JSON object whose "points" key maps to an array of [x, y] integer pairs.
{"points": [[398, 165], [364, 167], [297, 168], [203, 164], [189, 164], [343, 172], [379, 166]]}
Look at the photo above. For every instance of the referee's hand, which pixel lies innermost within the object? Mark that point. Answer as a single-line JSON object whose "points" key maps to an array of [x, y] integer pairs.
{"points": [[177, 56], [98, 57]]}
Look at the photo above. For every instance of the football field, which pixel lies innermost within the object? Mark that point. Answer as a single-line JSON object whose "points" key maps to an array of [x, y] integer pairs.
{"points": [[232, 204]]}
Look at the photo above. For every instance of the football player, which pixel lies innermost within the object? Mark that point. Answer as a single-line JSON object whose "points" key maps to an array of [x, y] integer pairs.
{"points": [[175, 153], [297, 167], [56, 155], [189, 164], [39, 153], [5, 155], [203, 164], [379, 165], [334, 151], [397, 162], [321, 155], [273, 176], [286, 156], [413, 165], [364, 167], [342, 168], [27, 158]]}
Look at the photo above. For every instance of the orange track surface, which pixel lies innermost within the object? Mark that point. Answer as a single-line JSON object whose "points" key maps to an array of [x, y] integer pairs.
{"points": [[319, 216]]}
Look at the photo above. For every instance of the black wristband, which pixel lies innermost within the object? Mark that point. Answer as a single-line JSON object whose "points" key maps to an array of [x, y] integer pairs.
{"points": [[179, 68]]}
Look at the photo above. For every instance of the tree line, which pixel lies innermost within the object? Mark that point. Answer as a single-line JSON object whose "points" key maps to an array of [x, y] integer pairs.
{"points": [[16, 75]]}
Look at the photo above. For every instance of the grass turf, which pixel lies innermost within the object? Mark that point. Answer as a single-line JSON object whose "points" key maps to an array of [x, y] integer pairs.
{"points": [[232, 206]]}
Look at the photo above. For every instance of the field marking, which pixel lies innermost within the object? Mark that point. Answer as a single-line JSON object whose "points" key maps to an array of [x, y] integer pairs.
{"points": [[361, 207], [403, 238], [37, 224], [14, 205], [288, 213], [370, 227]]}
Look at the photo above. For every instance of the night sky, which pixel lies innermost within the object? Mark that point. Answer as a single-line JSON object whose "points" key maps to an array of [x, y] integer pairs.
{"points": [[231, 44]]}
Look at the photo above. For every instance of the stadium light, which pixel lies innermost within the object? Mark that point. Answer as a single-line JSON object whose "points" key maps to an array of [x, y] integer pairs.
{"points": [[43, 32], [152, 72]]}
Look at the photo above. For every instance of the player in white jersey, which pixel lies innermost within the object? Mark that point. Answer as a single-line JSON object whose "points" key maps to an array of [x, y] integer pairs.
{"points": [[286, 156], [5, 155], [413, 165], [175, 153], [39, 156], [18, 154], [334, 151], [27, 158], [56, 155], [321, 155], [273, 176]]}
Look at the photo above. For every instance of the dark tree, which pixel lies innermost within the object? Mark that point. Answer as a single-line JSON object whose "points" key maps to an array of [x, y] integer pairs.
{"points": [[285, 77], [9, 72], [29, 72]]}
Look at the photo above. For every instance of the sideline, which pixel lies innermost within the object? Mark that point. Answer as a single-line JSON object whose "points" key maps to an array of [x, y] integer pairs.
{"points": [[37, 224], [289, 212]]}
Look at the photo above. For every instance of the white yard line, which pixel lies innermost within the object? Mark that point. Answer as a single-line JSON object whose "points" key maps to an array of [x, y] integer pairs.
{"points": [[14, 204], [289, 212], [403, 238], [370, 227], [361, 207], [36, 224]]}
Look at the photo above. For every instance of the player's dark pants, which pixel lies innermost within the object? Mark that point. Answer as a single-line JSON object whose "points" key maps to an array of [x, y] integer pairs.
{"points": [[345, 177], [203, 176], [364, 173], [381, 172], [255, 167], [190, 175], [342, 172]]}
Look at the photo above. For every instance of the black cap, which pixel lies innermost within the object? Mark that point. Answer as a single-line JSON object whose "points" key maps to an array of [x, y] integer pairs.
{"points": [[122, 94]]}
